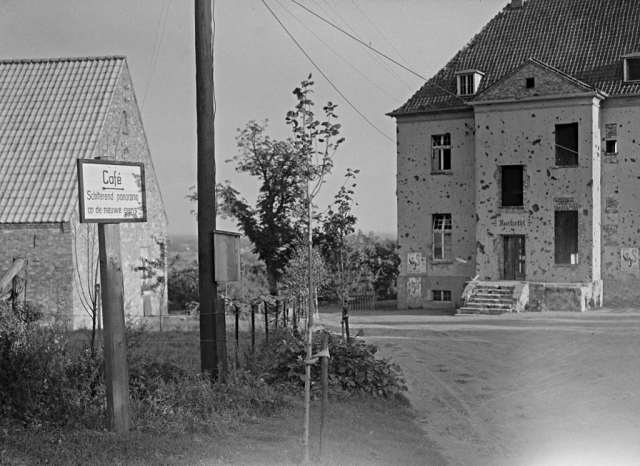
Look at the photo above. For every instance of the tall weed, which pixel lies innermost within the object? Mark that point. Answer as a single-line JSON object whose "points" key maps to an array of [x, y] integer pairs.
{"points": [[33, 363]]}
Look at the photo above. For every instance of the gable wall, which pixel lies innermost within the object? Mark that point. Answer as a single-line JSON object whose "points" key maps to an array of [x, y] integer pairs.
{"points": [[546, 82], [130, 144], [422, 194], [524, 134]]}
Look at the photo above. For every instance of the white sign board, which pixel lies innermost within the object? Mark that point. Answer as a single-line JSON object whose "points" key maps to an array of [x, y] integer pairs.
{"points": [[111, 192]]}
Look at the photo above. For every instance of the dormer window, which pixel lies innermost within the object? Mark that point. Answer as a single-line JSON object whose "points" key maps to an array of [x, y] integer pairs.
{"points": [[632, 67], [469, 81]]}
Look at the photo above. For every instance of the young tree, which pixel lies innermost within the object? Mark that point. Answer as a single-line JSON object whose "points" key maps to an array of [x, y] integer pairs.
{"points": [[316, 143], [295, 279], [86, 273], [331, 238], [154, 272]]}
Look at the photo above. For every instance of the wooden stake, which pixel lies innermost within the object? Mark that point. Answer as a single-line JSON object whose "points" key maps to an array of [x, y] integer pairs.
{"points": [[324, 403], [115, 346], [19, 282]]}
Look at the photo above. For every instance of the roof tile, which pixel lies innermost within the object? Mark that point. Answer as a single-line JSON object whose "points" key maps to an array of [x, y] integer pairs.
{"points": [[582, 38], [51, 111]]}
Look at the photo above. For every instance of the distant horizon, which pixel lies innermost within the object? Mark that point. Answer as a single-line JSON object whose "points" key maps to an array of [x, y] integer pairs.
{"points": [[384, 234]]}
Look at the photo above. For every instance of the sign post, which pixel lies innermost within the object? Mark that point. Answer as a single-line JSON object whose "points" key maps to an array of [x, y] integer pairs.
{"points": [[110, 193]]}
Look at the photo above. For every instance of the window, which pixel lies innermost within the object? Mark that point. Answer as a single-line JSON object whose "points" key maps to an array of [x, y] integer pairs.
{"points": [[632, 68], [567, 144], [530, 83], [125, 123], [442, 237], [611, 138], [466, 84], [441, 152], [512, 186], [468, 81], [442, 295], [566, 236]]}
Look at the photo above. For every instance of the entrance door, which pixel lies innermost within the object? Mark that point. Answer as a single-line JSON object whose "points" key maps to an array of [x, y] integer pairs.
{"points": [[514, 258]]}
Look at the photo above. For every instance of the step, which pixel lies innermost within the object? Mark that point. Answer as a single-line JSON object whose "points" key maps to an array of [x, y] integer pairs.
{"points": [[489, 305], [492, 292], [491, 299], [466, 310]]}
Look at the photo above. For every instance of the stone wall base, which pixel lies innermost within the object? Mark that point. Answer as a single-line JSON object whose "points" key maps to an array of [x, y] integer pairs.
{"points": [[578, 297]]}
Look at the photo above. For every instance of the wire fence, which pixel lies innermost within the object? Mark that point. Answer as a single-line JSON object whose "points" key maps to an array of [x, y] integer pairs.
{"points": [[178, 336]]}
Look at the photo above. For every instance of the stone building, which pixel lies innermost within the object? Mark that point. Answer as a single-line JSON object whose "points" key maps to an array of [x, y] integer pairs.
{"points": [[519, 165], [53, 112]]}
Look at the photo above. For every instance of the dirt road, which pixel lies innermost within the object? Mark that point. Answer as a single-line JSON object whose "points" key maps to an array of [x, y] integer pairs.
{"points": [[552, 389]]}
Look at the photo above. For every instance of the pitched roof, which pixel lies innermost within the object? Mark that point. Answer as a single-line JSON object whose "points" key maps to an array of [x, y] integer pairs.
{"points": [[51, 113], [583, 38]]}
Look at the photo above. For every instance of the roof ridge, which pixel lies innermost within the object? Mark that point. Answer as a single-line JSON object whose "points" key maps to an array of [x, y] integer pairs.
{"points": [[62, 59]]}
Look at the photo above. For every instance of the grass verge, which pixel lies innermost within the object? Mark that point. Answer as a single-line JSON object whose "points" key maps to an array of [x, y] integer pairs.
{"points": [[360, 431]]}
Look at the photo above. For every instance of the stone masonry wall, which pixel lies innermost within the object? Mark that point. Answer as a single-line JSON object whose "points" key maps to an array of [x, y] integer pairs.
{"points": [[50, 268], [123, 138]]}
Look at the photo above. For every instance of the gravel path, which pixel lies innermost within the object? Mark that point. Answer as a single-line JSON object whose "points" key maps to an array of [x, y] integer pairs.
{"points": [[519, 389]]}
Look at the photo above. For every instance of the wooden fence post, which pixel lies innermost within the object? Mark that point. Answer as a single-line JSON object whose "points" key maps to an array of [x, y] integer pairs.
{"points": [[115, 345], [266, 321], [277, 309], [237, 334], [253, 327]]}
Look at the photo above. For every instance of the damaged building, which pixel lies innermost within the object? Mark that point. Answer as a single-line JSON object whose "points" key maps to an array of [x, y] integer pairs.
{"points": [[519, 165]]}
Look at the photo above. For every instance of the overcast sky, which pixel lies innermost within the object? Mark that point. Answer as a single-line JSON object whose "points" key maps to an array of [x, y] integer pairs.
{"points": [[257, 66]]}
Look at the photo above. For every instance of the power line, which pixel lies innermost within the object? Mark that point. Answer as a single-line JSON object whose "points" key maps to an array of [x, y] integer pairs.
{"points": [[380, 62], [336, 53], [156, 50], [323, 74], [379, 32]]}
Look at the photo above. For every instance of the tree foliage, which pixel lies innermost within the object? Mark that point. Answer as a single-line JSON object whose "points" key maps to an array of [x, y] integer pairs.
{"points": [[295, 279], [383, 263], [273, 225], [183, 288]]}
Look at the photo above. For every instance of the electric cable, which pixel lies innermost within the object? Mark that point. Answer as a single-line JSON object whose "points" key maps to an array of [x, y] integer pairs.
{"points": [[324, 75]]}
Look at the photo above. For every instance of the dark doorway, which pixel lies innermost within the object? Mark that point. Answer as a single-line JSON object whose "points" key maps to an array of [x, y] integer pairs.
{"points": [[514, 258]]}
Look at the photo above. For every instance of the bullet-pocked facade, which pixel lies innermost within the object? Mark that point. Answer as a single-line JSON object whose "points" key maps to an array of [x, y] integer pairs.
{"points": [[519, 162]]}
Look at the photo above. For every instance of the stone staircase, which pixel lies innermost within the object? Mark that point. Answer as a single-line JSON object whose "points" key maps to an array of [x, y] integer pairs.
{"points": [[489, 298]]}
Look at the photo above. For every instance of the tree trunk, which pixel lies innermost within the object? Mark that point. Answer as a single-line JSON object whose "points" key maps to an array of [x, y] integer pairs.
{"points": [[272, 281]]}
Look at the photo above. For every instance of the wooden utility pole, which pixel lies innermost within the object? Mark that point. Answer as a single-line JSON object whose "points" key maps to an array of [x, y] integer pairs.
{"points": [[115, 345], [213, 348]]}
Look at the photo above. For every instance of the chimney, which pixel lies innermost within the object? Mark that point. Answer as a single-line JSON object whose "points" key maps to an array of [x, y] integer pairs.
{"points": [[516, 3]]}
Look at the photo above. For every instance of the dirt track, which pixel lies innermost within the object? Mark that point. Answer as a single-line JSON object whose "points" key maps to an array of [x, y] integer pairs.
{"points": [[552, 389]]}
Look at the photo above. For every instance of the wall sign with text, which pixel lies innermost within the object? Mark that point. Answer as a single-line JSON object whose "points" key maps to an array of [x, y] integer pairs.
{"points": [[111, 191]]}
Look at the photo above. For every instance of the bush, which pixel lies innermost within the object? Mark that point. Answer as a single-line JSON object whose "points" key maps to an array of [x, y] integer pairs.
{"points": [[182, 288], [33, 363], [353, 367]]}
